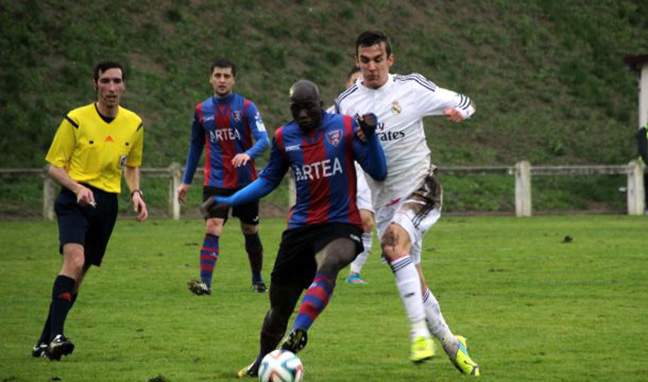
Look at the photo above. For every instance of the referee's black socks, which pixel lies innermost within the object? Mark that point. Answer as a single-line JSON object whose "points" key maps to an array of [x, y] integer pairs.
{"points": [[62, 300]]}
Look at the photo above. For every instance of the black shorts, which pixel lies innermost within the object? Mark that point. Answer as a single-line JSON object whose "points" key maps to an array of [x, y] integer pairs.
{"points": [[295, 263], [248, 213], [89, 226]]}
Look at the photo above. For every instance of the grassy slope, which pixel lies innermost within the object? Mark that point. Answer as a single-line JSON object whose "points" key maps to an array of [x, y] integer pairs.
{"points": [[547, 76], [534, 308]]}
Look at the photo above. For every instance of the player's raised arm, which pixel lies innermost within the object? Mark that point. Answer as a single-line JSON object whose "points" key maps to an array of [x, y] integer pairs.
{"points": [[369, 154]]}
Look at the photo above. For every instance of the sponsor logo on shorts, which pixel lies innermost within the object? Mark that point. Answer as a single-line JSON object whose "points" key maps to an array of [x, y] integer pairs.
{"points": [[354, 237]]}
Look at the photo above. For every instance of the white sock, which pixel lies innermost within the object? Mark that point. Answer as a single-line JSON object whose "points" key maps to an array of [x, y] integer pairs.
{"points": [[437, 324], [356, 265], [409, 288]]}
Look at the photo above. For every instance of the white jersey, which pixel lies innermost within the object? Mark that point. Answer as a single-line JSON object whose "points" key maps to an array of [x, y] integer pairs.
{"points": [[400, 105]]}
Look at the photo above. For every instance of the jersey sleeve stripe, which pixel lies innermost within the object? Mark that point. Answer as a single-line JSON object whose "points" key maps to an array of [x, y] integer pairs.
{"points": [[76, 125], [464, 102], [419, 79], [342, 96], [140, 126]]}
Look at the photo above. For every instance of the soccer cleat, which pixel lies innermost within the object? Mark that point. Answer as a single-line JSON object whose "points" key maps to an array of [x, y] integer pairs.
{"points": [[355, 278], [462, 360], [422, 349], [198, 288], [59, 347], [40, 350], [259, 287], [296, 341], [251, 370]]}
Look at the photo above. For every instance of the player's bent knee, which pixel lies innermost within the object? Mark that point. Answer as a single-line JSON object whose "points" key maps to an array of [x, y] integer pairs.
{"points": [[336, 261]]}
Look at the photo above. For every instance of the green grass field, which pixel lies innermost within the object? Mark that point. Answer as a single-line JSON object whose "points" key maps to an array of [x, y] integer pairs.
{"points": [[533, 307]]}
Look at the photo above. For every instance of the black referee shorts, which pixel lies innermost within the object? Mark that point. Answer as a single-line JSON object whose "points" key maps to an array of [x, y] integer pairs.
{"points": [[248, 213], [295, 263], [89, 226]]}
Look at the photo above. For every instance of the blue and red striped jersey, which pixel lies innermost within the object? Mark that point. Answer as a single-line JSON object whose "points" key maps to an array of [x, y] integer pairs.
{"points": [[322, 163], [226, 127]]}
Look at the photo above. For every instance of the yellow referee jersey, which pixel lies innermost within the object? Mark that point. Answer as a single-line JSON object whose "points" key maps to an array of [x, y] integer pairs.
{"points": [[95, 152]]}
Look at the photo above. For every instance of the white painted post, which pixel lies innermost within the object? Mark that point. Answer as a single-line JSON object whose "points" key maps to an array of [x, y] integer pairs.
{"points": [[523, 189], [174, 182], [49, 196], [643, 96], [636, 205]]}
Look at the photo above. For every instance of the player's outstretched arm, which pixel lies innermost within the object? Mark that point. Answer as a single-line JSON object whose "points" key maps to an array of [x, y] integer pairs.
{"points": [[370, 154], [252, 192]]}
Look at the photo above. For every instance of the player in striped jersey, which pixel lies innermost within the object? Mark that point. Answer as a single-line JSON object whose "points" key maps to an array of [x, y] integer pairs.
{"points": [[225, 125], [324, 227], [408, 202]]}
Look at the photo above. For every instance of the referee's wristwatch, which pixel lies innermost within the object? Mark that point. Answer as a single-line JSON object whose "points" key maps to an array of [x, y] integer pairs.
{"points": [[137, 191]]}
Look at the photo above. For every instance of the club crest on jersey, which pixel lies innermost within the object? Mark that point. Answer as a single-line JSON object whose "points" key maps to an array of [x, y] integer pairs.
{"points": [[236, 115], [334, 137], [396, 108]]}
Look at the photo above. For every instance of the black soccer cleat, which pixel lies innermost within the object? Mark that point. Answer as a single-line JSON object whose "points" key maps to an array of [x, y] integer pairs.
{"points": [[259, 287], [40, 350], [59, 347], [198, 288], [296, 341], [251, 370]]}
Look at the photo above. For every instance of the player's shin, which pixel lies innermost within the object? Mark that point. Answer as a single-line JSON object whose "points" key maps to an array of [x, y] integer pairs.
{"points": [[208, 257], [315, 300], [254, 250], [437, 324]]}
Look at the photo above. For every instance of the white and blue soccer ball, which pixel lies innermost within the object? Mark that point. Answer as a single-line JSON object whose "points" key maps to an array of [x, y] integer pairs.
{"points": [[281, 366]]}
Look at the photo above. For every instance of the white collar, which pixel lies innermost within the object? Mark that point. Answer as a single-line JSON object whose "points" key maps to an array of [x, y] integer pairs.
{"points": [[385, 86]]}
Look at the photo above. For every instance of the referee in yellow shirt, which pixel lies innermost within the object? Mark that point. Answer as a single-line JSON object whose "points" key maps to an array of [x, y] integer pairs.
{"points": [[92, 146]]}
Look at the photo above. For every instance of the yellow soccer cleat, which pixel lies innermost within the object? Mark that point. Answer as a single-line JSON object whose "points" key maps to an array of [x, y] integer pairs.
{"points": [[462, 360], [422, 349]]}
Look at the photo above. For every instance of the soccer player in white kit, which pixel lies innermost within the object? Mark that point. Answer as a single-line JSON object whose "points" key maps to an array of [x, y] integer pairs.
{"points": [[363, 201], [409, 201]]}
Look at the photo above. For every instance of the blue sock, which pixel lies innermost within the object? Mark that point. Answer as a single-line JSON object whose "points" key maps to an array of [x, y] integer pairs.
{"points": [[315, 300]]}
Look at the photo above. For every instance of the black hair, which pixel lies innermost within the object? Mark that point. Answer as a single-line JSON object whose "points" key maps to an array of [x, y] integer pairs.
{"points": [[103, 66], [353, 71], [223, 63], [371, 38]]}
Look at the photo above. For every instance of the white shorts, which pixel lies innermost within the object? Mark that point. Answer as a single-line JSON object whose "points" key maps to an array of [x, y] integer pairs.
{"points": [[416, 213], [363, 196]]}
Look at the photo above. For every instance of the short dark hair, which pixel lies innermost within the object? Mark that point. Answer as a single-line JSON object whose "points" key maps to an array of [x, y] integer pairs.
{"points": [[353, 71], [105, 65], [371, 38], [223, 63]]}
